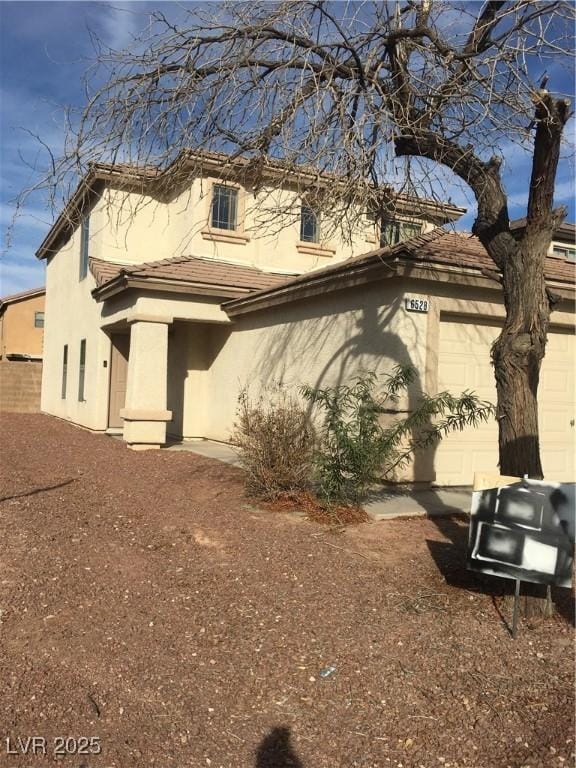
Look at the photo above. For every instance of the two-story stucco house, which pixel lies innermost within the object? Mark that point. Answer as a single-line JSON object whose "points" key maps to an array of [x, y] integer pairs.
{"points": [[157, 318]]}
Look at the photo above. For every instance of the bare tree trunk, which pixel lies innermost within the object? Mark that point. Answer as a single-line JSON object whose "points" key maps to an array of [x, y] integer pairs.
{"points": [[517, 355], [518, 352]]}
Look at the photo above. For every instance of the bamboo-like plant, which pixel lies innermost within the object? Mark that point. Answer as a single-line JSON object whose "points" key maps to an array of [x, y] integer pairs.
{"points": [[357, 450]]}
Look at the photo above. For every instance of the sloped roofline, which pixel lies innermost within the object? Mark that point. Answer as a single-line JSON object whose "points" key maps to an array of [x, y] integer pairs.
{"points": [[159, 182], [566, 231], [402, 259], [21, 296], [227, 279]]}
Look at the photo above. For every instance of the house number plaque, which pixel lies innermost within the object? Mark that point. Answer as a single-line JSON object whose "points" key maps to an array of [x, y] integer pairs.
{"points": [[416, 304]]}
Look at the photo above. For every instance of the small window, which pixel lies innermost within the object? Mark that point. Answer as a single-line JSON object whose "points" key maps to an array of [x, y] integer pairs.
{"points": [[224, 207], [565, 252], [64, 371], [82, 371], [38, 319], [393, 232], [309, 225], [84, 240]]}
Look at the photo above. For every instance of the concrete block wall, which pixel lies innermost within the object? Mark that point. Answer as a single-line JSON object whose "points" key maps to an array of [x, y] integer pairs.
{"points": [[20, 384]]}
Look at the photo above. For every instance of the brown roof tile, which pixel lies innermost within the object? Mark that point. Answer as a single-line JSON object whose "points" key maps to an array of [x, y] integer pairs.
{"points": [[104, 271], [457, 249], [190, 269], [462, 249]]}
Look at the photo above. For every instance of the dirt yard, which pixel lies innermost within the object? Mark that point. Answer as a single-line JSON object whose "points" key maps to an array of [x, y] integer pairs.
{"points": [[145, 603]]}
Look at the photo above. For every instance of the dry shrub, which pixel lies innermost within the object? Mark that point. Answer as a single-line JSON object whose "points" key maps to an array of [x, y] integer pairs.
{"points": [[317, 510], [276, 442]]}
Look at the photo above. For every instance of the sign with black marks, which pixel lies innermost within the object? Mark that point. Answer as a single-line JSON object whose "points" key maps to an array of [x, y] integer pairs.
{"points": [[524, 530]]}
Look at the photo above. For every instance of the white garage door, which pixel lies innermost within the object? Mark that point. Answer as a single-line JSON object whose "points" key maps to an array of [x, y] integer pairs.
{"points": [[464, 363]]}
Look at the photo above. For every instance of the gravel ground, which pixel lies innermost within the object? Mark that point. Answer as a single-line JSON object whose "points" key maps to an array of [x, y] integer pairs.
{"points": [[145, 602]]}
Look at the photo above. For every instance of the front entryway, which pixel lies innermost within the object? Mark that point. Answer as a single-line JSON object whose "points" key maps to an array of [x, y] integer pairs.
{"points": [[118, 378]]}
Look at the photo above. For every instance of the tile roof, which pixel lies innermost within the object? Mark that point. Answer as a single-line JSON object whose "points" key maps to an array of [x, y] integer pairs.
{"points": [[190, 269], [103, 271], [461, 249], [456, 249]]}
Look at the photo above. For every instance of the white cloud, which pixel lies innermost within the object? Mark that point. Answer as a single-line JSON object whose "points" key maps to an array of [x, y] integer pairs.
{"points": [[120, 23], [19, 275]]}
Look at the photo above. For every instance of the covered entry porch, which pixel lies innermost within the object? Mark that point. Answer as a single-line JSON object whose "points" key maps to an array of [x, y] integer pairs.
{"points": [[166, 325], [158, 383]]}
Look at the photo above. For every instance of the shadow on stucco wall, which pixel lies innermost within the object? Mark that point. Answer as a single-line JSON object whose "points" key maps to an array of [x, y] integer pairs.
{"points": [[326, 342], [335, 336]]}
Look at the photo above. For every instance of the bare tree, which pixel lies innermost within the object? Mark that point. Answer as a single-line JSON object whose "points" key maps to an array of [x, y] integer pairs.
{"points": [[347, 89]]}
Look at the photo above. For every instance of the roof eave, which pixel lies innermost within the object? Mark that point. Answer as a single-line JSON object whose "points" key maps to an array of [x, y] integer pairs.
{"points": [[64, 223], [125, 282], [104, 174], [23, 296], [358, 274], [367, 272], [90, 185]]}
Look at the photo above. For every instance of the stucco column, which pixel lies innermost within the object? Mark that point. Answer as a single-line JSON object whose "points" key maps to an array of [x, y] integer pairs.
{"points": [[145, 414]]}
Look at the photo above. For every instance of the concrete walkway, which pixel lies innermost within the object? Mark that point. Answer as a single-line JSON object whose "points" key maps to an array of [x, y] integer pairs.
{"points": [[386, 504], [390, 503], [209, 448]]}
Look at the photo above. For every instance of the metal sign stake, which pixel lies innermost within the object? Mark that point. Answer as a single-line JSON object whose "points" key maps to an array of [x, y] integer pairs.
{"points": [[515, 610]]}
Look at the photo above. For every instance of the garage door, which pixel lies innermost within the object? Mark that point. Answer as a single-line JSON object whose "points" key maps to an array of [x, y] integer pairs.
{"points": [[464, 363]]}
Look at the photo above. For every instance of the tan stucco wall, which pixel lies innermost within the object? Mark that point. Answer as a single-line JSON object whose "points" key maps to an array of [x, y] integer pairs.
{"points": [[321, 341], [189, 396], [326, 340], [131, 229], [17, 332], [72, 315], [176, 306]]}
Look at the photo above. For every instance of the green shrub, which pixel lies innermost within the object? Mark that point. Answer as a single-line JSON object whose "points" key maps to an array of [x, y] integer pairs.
{"points": [[356, 450], [276, 442]]}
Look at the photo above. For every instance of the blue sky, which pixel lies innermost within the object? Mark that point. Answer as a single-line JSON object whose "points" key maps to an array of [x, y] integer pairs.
{"points": [[44, 50], [45, 47]]}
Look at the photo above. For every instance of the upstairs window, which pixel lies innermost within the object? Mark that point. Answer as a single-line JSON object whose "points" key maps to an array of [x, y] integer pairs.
{"points": [[564, 252], [84, 239], [38, 319], [224, 213], [82, 371], [394, 231], [309, 225]]}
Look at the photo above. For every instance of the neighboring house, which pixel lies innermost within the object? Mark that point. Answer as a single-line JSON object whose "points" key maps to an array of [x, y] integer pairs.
{"points": [[156, 324], [22, 325]]}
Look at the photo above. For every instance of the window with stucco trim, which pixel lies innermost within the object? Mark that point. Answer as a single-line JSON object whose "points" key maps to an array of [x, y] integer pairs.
{"points": [[565, 252], [82, 371], [224, 214], [395, 231], [309, 225], [38, 319], [64, 371], [84, 241]]}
